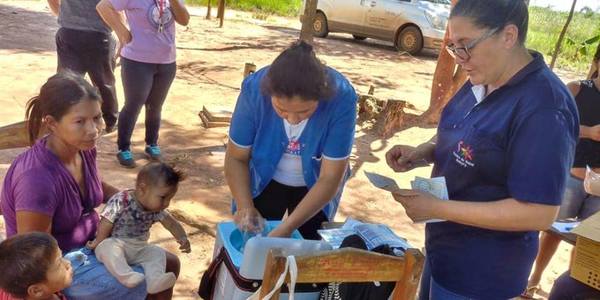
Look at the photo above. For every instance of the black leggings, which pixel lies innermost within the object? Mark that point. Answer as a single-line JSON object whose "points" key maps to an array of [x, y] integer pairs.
{"points": [[144, 85], [277, 198], [93, 53]]}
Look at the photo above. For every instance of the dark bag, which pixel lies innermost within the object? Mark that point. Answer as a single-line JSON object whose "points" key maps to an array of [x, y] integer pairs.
{"points": [[363, 290]]}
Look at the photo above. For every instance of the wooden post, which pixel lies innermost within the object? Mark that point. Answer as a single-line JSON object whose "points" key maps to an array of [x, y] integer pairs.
{"points": [[413, 266], [221, 12], [448, 77], [249, 68], [15, 135], [274, 266], [562, 36], [371, 90], [307, 31], [594, 67], [208, 10]]}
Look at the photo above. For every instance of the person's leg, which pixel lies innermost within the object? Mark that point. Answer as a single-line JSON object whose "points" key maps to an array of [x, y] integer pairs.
{"points": [[567, 288], [271, 202], [112, 253], [571, 203], [100, 67], [69, 52], [173, 266], [548, 245], [137, 83], [154, 261], [160, 88]]}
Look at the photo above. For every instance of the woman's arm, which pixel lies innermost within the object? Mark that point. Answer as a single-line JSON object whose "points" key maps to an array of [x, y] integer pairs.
{"points": [[237, 174], [114, 20], [327, 185], [54, 6], [31, 221], [504, 215], [108, 191], [181, 14]]}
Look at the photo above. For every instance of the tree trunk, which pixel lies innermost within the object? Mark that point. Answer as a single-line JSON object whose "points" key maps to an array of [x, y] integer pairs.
{"points": [[221, 12], [307, 32], [594, 67], [562, 36], [448, 77], [208, 10]]}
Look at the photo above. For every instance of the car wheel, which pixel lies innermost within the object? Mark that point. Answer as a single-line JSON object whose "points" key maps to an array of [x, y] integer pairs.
{"points": [[359, 37], [410, 40], [320, 25]]}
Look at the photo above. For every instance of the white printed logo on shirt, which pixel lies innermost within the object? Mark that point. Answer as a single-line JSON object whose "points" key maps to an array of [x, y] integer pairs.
{"points": [[154, 14], [464, 155]]}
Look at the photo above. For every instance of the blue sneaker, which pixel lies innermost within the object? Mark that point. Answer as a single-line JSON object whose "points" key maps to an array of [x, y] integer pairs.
{"points": [[126, 159], [153, 152]]}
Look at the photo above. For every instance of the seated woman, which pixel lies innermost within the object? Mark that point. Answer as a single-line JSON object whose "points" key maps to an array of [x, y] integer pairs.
{"points": [[55, 185], [290, 139]]}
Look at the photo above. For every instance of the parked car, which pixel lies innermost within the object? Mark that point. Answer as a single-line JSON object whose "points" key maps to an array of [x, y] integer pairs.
{"points": [[410, 24]]}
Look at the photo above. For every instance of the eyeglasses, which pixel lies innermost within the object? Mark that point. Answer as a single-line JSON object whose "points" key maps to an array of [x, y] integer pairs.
{"points": [[464, 53]]}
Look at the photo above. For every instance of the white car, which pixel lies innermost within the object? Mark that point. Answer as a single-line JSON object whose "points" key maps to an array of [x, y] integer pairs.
{"points": [[410, 24]]}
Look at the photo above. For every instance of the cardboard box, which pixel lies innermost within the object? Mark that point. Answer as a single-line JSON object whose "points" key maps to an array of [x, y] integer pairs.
{"points": [[585, 266]]}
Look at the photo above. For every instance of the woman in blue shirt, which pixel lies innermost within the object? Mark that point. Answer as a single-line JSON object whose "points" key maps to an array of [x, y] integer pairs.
{"points": [[290, 139], [505, 144]]}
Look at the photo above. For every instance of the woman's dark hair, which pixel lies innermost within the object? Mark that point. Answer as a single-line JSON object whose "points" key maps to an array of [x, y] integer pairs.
{"points": [[24, 261], [159, 172], [495, 14], [298, 72], [56, 97]]}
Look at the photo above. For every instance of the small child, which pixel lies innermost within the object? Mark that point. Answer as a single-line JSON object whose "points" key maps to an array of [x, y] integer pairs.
{"points": [[124, 229], [32, 267]]}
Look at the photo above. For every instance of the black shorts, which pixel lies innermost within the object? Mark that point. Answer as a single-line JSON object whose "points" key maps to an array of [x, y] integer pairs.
{"points": [[278, 198]]}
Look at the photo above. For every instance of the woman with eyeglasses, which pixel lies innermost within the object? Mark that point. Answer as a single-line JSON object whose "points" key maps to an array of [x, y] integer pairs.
{"points": [[505, 144]]}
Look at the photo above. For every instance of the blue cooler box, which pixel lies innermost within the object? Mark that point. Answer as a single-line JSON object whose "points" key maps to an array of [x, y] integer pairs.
{"points": [[241, 273]]}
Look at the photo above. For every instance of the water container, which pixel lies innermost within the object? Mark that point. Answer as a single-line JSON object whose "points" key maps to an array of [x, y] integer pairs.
{"points": [[250, 264]]}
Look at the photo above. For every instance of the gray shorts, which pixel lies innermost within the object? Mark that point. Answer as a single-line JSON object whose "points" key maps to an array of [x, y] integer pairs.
{"points": [[576, 203]]}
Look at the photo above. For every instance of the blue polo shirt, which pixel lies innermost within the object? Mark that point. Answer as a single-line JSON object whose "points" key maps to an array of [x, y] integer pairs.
{"points": [[518, 142], [329, 133]]}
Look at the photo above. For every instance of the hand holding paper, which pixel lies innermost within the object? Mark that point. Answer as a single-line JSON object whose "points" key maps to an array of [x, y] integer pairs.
{"points": [[419, 202], [591, 183]]}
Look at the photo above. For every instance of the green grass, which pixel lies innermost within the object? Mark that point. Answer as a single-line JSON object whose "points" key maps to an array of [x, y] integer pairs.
{"points": [[276, 7], [545, 26]]}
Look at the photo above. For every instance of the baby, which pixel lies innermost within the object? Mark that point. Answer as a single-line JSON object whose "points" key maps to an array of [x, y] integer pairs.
{"points": [[32, 267], [124, 229]]}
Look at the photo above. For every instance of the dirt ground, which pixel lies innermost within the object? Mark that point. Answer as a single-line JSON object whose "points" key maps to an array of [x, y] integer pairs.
{"points": [[210, 65]]}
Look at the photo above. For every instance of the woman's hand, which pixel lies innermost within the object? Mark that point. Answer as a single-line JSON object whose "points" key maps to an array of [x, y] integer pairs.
{"points": [[184, 245], [249, 219], [403, 158], [92, 244], [419, 206], [124, 39]]}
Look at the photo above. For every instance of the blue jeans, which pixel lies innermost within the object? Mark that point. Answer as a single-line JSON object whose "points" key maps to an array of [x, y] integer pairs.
{"points": [[91, 280], [576, 202]]}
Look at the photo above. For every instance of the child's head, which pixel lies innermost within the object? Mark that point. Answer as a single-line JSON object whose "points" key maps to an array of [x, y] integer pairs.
{"points": [[32, 266], [156, 185]]}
